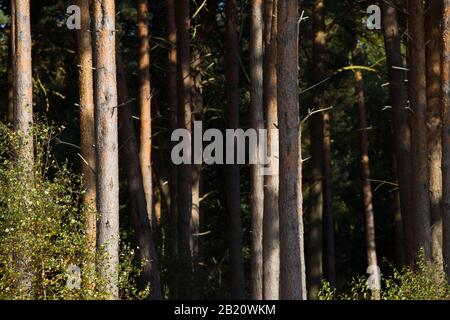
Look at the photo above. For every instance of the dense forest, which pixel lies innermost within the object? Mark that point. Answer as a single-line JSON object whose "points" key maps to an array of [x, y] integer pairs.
{"points": [[225, 149]]}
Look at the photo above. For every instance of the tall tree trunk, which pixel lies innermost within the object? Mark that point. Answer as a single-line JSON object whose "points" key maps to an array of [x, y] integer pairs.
{"points": [[365, 173], [257, 122], [315, 243], [12, 55], [173, 182], [292, 262], [418, 103], [145, 150], [434, 124], [329, 263], [23, 117], [402, 133], [445, 56], [135, 186], [271, 223], [106, 143], [87, 129], [232, 178], [185, 170]]}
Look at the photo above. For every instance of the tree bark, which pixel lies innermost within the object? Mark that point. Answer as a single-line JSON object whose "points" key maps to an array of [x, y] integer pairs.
{"points": [[402, 133], [292, 262], [315, 243], [135, 187], [87, 129], [145, 150], [185, 170], [106, 144], [365, 172], [418, 103], [271, 223], [173, 105], [232, 178], [445, 101], [434, 124], [256, 122], [12, 55]]}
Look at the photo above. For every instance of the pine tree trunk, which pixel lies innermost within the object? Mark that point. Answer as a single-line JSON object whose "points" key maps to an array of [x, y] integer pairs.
{"points": [[256, 122], [135, 187], [145, 150], [402, 133], [173, 182], [445, 56], [106, 144], [232, 178], [292, 262], [418, 104], [271, 224], [434, 124], [87, 129], [185, 170], [315, 243]]}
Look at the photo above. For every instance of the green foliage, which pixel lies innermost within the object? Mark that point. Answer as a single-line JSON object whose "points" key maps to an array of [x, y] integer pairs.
{"points": [[43, 231], [428, 282]]}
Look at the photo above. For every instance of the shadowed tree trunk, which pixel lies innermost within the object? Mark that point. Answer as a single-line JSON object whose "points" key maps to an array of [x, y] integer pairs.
{"points": [[445, 56], [11, 56], [315, 243], [232, 178], [145, 150], [292, 262], [418, 103], [434, 124], [135, 186], [106, 144], [87, 129], [256, 122], [365, 170], [271, 235], [185, 170], [173, 182], [402, 134]]}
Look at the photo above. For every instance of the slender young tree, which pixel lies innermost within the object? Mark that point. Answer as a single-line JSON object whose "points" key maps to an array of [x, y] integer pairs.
{"points": [[292, 262], [232, 178], [145, 150], [135, 186], [398, 96], [271, 234], [173, 106], [315, 243], [365, 168], [418, 104], [434, 123], [106, 143], [87, 129], [257, 122], [184, 85], [445, 101]]}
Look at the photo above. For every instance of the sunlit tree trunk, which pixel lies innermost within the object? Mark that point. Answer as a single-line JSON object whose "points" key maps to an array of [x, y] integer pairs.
{"points": [[256, 122], [87, 129], [271, 224], [106, 144], [418, 104], [402, 133], [292, 262], [232, 178], [145, 150], [434, 124]]}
